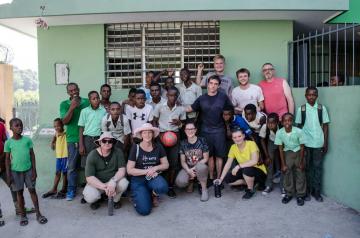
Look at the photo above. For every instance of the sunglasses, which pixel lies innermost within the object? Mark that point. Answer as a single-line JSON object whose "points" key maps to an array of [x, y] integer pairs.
{"points": [[105, 141]]}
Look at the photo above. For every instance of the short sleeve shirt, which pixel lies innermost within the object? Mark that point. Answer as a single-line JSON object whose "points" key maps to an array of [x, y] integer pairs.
{"points": [[211, 109], [104, 168], [118, 130], [255, 124], [242, 97], [312, 129], [72, 128], [136, 117], [144, 159], [244, 155], [193, 152], [292, 140], [91, 119], [61, 150], [262, 133], [152, 104], [166, 115], [20, 153], [226, 85]]}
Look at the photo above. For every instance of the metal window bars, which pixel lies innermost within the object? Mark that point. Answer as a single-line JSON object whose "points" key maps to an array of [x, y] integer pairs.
{"points": [[317, 58], [133, 49]]}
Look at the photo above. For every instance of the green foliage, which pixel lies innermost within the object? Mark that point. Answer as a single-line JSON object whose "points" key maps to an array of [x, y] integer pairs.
{"points": [[25, 79], [22, 97]]}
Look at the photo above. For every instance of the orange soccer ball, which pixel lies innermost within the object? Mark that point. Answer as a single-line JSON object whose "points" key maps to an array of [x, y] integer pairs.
{"points": [[168, 139]]}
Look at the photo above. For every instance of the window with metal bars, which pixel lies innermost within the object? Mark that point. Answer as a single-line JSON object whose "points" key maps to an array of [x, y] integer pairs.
{"points": [[132, 49], [328, 57]]}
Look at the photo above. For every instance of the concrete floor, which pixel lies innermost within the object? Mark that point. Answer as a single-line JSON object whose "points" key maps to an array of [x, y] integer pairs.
{"points": [[186, 216]]}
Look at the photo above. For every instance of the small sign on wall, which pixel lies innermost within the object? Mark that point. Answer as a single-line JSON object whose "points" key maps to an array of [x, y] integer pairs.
{"points": [[61, 73]]}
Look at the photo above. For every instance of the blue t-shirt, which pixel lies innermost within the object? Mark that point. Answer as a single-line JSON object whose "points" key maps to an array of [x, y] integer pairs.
{"points": [[211, 109], [239, 121]]}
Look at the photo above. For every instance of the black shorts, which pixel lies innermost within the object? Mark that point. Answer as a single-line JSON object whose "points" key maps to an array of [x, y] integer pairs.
{"points": [[260, 176], [216, 143]]}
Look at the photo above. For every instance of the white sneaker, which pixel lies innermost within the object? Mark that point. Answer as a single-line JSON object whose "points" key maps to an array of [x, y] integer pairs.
{"points": [[283, 192], [204, 195]]}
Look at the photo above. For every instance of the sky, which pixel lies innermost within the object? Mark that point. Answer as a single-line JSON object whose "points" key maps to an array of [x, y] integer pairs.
{"points": [[24, 48]]}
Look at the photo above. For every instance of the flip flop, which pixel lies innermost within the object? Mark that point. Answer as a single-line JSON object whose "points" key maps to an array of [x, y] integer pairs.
{"points": [[41, 219], [24, 221], [48, 194]]}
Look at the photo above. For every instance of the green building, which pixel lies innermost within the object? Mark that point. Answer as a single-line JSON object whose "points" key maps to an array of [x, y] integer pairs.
{"points": [[119, 41]]}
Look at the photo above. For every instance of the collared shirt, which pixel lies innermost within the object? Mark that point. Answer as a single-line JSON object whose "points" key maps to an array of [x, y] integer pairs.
{"points": [[90, 119], [312, 129], [118, 131], [72, 128], [290, 141], [166, 115], [189, 95], [153, 104]]}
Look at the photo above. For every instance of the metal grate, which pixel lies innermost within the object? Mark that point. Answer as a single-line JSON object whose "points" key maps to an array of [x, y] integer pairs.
{"points": [[316, 58], [132, 49]]}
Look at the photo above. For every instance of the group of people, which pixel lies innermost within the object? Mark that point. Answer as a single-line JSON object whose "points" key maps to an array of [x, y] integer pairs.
{"points": [[162, 137]]}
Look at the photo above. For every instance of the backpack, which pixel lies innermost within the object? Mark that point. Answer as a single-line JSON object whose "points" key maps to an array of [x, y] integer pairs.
{"points": [[303, 115]]}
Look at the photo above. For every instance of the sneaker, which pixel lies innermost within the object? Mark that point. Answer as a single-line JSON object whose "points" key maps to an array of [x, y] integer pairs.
{"points": [[300, 201], [266, 191], [155, 199], [283, 192], [190, 187], [248, 194], [70, 195], [95, 205], [318, 196], [171, 193], [286, 199], [204, 196]]}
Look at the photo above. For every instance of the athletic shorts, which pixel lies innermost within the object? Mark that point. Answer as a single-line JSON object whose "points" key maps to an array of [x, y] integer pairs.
{"points": [[61, 165], [21, 178], [216, 143]]}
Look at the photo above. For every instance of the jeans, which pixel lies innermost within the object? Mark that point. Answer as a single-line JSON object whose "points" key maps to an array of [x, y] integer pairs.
{"points": [[73, 156], [142, 189]]}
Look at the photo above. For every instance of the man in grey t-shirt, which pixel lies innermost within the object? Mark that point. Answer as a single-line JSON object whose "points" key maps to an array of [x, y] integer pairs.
{"points": [[226, 85]]}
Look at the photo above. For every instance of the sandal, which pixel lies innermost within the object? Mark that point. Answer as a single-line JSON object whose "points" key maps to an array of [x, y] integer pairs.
{"points": [[48, 194], [24, 221], [41, 219], [117, 205], [59, 195]]}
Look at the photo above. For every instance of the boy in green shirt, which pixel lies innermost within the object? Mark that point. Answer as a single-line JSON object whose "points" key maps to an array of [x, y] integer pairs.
{"points": [[314, 120], [291, 147], [21, 169]]}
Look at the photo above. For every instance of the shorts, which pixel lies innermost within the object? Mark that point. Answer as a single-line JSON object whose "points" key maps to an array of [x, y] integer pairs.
{"points": [[61, 165], [216, 143], [21, 178]]}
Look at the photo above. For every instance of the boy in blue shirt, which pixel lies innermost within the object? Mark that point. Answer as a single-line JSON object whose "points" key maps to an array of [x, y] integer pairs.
{"points": [[314, 120], [21, 169]]}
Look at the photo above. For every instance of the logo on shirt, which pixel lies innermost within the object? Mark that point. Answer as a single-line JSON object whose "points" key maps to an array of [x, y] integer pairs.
{"points": [[136, 116]]}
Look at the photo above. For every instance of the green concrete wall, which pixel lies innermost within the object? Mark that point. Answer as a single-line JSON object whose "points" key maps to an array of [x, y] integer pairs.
{"points": [[350, 16], [249, 44], [26, 8], [342, 162], [82, 47]]}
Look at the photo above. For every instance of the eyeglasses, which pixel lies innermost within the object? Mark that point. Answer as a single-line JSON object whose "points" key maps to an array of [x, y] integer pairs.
{"points": [[270, 69], [105, 141], [190, 129]]}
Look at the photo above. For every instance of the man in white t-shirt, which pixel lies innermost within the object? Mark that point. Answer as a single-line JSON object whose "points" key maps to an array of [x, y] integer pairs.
{"points": [[246, 93]]}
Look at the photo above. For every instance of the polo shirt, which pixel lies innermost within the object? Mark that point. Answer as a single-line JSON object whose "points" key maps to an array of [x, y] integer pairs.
{"points": [[91, 119], [165, 115], [72, 128], [312, 129], [290, 141]]}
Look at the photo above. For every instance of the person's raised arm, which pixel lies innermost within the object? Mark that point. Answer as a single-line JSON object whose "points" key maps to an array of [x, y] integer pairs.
{"points": [[199, 74], [289, 97], [75, 102]]}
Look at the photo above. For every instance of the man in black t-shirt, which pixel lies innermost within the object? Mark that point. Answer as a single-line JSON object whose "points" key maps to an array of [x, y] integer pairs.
{"points": [[211, 106]]}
